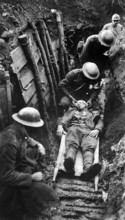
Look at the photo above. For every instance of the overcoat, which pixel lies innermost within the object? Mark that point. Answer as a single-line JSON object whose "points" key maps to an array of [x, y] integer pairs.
{"points": [[19, 159]]}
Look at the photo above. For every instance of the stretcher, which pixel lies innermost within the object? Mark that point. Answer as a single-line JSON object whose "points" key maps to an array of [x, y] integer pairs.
{"points": [[78, 167]]}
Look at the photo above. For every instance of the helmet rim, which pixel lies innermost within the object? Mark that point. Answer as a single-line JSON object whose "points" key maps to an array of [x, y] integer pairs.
{"points": [[115, 17], [26, 123], [102, 41], [28, 116], [87, 74]]}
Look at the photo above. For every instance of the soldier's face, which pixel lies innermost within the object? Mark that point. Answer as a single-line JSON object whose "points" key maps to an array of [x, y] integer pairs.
{"points": [[115, 23], [81, 105]]}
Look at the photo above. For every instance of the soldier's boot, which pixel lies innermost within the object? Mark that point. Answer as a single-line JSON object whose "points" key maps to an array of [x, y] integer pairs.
{"points": [[70, 159], [90, 169]]}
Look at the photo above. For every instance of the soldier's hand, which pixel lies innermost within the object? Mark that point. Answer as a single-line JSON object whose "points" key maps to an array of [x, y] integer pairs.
{"points": [[37, 177], [41, 149], [60, 131], [89, 103], [94, 133]]}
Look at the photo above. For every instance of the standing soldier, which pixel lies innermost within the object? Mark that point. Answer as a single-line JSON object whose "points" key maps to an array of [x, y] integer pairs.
{"points": [[96, 49], [114, 26]]}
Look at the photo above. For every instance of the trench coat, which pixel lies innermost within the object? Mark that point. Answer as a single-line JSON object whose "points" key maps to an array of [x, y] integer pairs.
{"points": [[19, 159]]}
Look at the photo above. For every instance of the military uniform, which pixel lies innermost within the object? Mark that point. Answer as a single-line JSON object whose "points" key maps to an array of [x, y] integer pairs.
{"points": [[116, 30], [93, 51], [19, 159], [79, 124], [77, 85]]}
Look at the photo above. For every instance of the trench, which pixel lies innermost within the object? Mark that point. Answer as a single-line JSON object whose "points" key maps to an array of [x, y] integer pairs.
{"points": [[78, 199]]}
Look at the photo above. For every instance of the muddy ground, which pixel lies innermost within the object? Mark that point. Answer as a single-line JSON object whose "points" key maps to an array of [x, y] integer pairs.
{"points": [[82, 18]]}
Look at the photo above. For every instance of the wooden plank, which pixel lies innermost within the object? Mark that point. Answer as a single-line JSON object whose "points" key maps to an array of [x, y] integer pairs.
{"points": [[18, 58], [55, 45], [77, 188], [46, 92], [83, 209], [82, 203], [44, 81], [29, 92], [47, 98], [25, 76], [33, 101], [35, 50], [78, 195]]}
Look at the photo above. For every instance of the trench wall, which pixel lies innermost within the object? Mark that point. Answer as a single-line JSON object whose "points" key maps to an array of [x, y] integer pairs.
{"points": [[17, 86]]}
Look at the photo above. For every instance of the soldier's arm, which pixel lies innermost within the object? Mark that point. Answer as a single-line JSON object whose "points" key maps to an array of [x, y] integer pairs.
{"points": [[66, 119], [33, 143], [8, 173], [65, 86], [105, 27], [100, 124], [87, 49]]}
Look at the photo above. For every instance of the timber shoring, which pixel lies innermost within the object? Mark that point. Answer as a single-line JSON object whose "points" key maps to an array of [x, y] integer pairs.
{"points": [[39, 43], [43, 38], [53, 58], [63, 55], [61, 44], [23, 39]]}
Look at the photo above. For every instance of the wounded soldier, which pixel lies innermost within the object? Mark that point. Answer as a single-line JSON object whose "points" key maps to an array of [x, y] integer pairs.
{"points": [[83, 127]]}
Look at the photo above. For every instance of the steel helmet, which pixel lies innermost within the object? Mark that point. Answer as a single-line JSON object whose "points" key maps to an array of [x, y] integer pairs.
{"points": [[28, 116], [91, 70], [115, 17], [106, 38]]}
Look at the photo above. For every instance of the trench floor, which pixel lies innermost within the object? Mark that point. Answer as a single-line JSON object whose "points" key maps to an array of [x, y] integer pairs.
{"points": [[79, 200]]}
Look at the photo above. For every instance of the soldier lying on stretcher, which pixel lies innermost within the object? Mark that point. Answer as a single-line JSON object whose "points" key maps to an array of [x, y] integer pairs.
{"points": [[83, 126]]}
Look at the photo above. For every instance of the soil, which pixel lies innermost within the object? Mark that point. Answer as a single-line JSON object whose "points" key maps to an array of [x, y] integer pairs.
{"points": [[81, 19]]}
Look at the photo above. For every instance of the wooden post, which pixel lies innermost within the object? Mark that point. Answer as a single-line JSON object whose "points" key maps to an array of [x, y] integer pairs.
{"points": [[62, 49], [9, 99], [61, 43], [53, 58], [42, 34], [96, 160], [23, 39], [60, 156], [38, 41], [66, 60]]}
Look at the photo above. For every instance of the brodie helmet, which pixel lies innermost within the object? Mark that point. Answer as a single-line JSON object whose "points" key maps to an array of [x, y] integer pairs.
{"points": [[106, 38], [91, 71], [28, 116]]}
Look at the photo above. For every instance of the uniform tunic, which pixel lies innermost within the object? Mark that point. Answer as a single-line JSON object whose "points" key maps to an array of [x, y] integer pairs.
{"points": [[79, 125], [93, 51], [115, 30], [76, 85], [19, 159]]}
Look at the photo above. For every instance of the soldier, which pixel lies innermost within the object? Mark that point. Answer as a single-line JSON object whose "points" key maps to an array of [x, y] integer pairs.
{"points": [[96, 49], [114, 26], [21, 186], [79, 84], [83, 126]]}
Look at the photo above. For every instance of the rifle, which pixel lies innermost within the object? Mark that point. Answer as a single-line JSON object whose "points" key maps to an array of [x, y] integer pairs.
{"points": [[59, 157]]}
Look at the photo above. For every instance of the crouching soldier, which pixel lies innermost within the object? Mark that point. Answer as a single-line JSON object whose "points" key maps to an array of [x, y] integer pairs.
{"points": [[83, 126], [80, 84], [21, 186]]}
